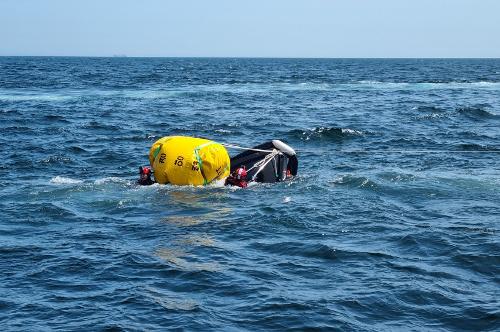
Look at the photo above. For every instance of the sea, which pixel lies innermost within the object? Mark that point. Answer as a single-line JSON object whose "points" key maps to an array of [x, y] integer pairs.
{"points": [[392, 223]]}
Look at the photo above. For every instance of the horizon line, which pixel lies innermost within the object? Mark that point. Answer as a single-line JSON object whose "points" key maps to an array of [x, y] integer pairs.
{"points": [[243, 57]]}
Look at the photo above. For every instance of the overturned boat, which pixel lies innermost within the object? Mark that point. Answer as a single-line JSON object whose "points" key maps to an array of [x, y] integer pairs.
{"points": [[269, 162], [182, 160]]}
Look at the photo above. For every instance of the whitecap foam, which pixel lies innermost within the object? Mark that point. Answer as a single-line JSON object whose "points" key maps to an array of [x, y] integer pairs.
{"points": [[223, 131], [218, 183], [370, 82], [429, 85], [351, 131], [31, 97], [148, 94], [112, 179], [214, 184], [64, 180], [486, 83]]}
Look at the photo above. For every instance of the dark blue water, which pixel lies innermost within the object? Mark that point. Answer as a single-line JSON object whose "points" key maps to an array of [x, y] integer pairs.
{"points": [[392, 224]]}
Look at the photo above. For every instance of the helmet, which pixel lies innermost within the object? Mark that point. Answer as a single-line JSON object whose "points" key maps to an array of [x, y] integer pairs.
{"points": [[241, 173], [144, 170]]}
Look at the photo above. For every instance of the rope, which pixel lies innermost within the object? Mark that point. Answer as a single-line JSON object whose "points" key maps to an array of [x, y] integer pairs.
{"points": [[265, 160], [232, 146], [261, 164]]}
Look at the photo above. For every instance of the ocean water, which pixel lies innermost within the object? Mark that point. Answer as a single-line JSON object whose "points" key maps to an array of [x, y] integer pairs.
{"points": [[392, 224]]}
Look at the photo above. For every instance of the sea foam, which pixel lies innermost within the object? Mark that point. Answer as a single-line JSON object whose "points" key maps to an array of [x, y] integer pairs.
{"points": [[64, 180]]}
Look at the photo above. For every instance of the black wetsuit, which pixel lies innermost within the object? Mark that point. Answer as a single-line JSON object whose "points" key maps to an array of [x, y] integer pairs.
{"points": [[145, 181]]}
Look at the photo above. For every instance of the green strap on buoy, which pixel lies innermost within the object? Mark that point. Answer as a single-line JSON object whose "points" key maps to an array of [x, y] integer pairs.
{"points": [[156, 151], [200, 162]]}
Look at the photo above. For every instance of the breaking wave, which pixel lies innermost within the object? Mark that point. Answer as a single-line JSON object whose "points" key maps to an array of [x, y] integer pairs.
{"points": [[476, 112], [64, 180], [431, 109], [326, 133]]}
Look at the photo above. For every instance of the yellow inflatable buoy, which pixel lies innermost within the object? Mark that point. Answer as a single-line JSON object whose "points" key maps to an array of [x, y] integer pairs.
{"points": [[185, 160]]}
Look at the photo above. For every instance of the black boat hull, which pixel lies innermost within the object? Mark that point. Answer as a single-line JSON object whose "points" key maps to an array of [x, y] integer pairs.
{"points": [[282, 166]]}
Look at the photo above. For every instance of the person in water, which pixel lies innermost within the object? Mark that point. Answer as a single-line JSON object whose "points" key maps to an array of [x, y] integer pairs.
{"points": [[238, 178], [145, 176]]}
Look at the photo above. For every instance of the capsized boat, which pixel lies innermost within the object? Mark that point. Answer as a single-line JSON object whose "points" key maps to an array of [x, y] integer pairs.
{"points": [[269, 162], [183, 160]]}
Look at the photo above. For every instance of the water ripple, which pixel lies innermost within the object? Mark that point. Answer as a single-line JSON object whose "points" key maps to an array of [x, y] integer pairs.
{"points": [[392, 223]]}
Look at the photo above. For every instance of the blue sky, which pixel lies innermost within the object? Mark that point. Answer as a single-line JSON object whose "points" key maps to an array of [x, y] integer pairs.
{"points": [[256, 28]]}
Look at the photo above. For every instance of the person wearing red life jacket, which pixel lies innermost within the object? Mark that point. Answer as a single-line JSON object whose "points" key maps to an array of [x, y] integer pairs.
{"points": [[145, 176], [238, 178]]}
